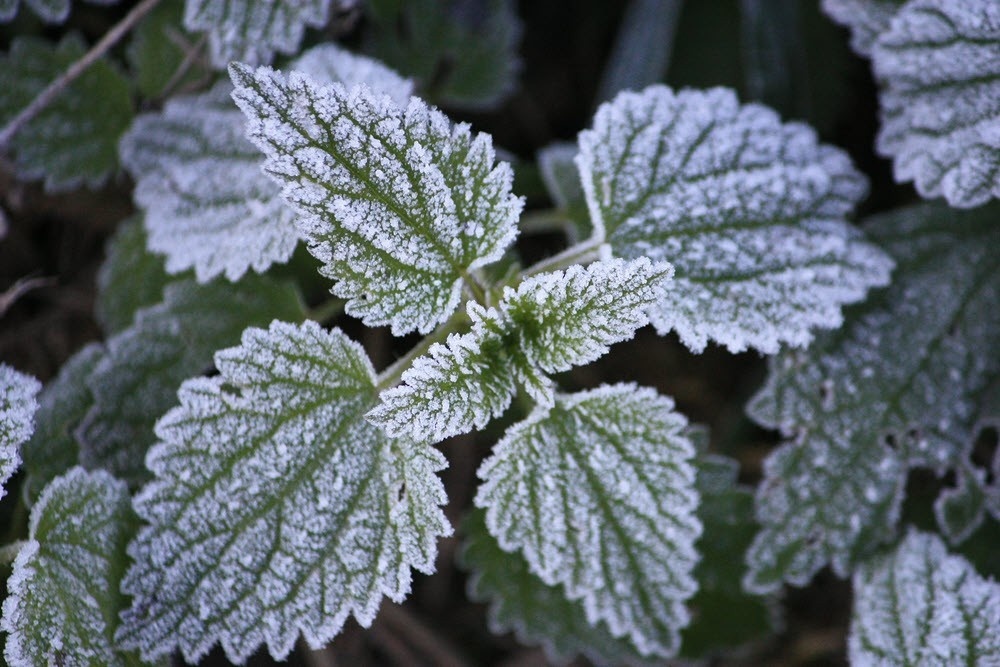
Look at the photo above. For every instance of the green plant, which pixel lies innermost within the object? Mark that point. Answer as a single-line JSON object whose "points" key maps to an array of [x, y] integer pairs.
{"points": [[226, 469]]}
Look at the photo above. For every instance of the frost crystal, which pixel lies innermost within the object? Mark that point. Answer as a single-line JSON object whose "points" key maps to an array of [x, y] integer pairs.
{"points": [[252, 30], [136, 381], [276, 508], [208, 205], [939, 66], [397, 203], [748, 210], [598, 494], [64, 601], [17, 415], [897, 387], [549, 324], [867, 19], [921, 606]]}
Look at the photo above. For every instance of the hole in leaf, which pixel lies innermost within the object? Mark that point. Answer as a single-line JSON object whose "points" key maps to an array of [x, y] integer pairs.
{"points": [[985, 452]]}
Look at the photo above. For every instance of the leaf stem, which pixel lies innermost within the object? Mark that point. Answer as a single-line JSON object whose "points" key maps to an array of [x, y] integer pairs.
{"points": [[53, 90], [394, 372], [326, 311], [544, 220], [581, 253]]}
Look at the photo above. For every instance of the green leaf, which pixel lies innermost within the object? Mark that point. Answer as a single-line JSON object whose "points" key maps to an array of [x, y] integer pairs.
{"points": [[73, 141], [749, 211], [17, 418], [50, 11], [918, 605], [598, 494], [562, 181], [463, 53], [940, 99], [276, 508], [867, 19], [550, 323], [397, 203], [723, 615], [130, 279], [64, 601], [537, 613], [52, 449], [208, 204], [158, 50], [252, 30], [137, 379], [899, 386]]}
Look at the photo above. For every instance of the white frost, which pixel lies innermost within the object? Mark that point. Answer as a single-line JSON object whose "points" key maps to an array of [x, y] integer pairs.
{"points": [[920, 605], [598, 495], [17, 416], [276, 508], [749, 211], [939, 67], [396, 202]]}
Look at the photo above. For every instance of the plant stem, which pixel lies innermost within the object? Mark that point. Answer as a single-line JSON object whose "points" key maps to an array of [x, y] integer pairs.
{"points": [[53, 90], [326, 311], [545, 220], [393, 373], [581, 253], [420, 636]]}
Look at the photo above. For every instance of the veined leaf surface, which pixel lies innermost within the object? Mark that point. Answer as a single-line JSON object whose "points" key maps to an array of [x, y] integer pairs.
{"points": [[919, 605], [867, 19], [136, 381], [276, 508], [939, 67], [598, 494], [64, 600], [397, 203], [898, 386], [749, 211], [17, 418], [550, 323], [252, 30]]}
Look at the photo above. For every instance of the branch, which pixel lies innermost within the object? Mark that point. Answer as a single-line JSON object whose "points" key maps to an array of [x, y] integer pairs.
{"points": [[53, 90]]}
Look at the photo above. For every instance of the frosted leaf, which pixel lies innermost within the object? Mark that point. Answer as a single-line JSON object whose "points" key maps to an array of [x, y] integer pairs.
{"points": [[72, 141], [550, 323], [897, 387], [17, 418], [537, 613], [598, 494], [208, 205], [463, 53], [130, 279], [939, 68], [918, 605], [50, 11], [252, 30], [749, 211], [64, 601], [52, 449], [137, 379], [959, 510], [397, 203], [276, 508], [867, 19]]}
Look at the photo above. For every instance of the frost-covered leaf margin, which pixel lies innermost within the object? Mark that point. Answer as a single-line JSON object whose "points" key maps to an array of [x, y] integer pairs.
{"points": [[64, 600], [749, 211], [398, 204], [939, 69], [919, 605], [598, 493], [276, 508], [17, 418]]}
